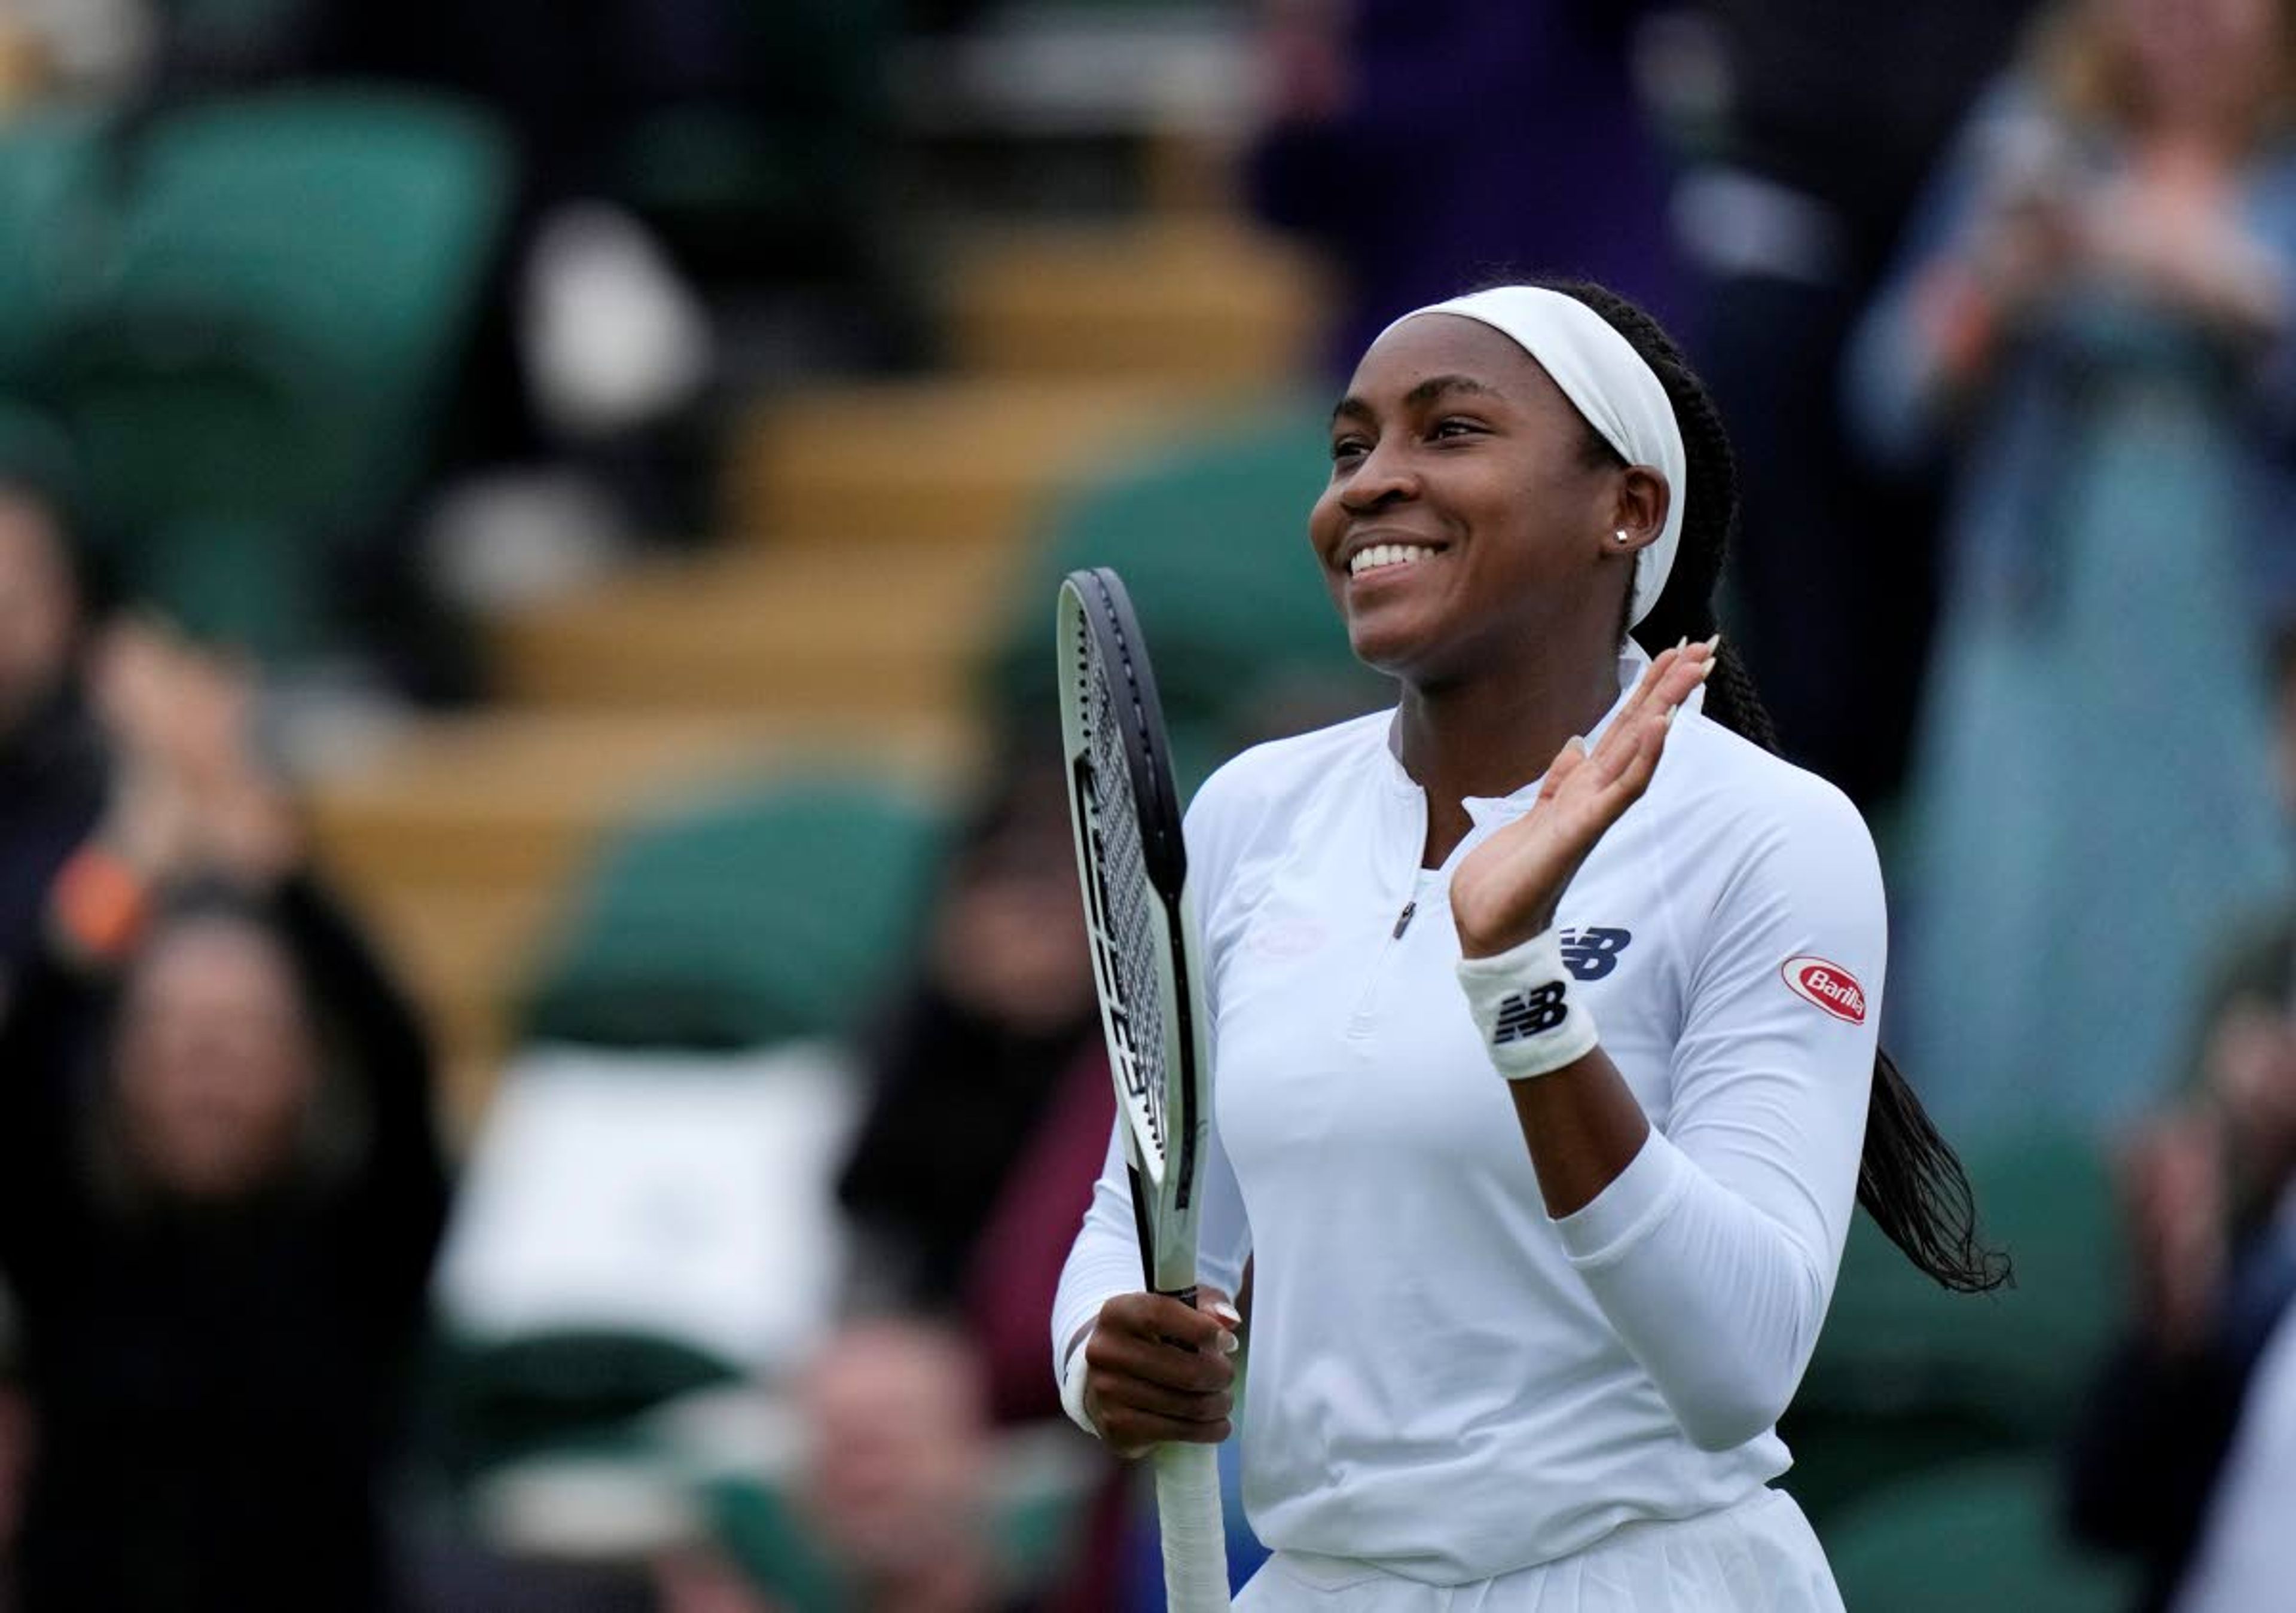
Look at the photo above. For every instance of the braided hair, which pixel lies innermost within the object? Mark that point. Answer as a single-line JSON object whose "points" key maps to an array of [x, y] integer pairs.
{"points": [[1909, 1179]]}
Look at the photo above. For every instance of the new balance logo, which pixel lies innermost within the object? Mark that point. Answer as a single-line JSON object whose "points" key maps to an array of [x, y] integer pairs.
{"points": [[1590, 954], [1528, 1013]]}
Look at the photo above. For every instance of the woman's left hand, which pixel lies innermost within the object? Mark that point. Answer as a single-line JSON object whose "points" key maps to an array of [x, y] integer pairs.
{"points": [[191, 792], [1507, 889]]}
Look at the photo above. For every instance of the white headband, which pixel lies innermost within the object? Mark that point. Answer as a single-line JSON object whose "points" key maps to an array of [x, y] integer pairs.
{"points": [[1602, 375]]}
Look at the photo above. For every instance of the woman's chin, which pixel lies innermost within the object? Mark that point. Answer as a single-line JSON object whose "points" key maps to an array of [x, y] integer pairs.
{"points": [[1393, 642], [1380, 652]]}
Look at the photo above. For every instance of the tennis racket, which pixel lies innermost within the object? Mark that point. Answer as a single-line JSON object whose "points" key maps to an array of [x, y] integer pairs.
{"points": [[1133, 870]]}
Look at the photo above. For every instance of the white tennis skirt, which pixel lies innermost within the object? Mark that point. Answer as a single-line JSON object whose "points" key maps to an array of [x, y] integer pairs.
{"points": [[1759, 1556]]}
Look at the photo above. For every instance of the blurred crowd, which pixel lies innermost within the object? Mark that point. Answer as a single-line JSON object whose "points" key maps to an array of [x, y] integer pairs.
{"points": [[737, 1298]]}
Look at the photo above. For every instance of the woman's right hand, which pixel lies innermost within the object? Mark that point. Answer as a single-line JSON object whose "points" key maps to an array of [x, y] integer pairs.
{"points": [[1157, 1370]]}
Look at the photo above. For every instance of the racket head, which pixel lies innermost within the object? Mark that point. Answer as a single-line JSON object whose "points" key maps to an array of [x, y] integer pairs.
{"points": [[1132, 866]]}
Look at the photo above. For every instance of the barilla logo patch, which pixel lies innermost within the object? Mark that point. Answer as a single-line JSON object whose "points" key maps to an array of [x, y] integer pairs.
{"points": [[1830, 987]]}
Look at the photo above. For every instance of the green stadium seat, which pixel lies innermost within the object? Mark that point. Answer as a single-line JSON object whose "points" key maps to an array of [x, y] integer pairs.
{"points": [[1209, 536], [762, 914], [33, 449], [1893, 1338], [252, 380], [1980, 1536], [493, 1402], [756, 1526], [355, 219], [1908, 1375], [51, 191]]}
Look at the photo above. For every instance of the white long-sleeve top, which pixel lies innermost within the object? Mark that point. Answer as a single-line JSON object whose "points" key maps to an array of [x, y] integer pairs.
{"points": [[1445, 1381]]}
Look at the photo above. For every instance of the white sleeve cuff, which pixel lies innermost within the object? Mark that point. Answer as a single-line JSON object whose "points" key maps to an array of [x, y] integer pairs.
{"points": [[1609, 1226], [1071, 1375]]}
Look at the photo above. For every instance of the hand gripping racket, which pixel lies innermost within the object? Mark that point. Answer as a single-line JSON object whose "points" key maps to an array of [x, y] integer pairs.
{"points": [[1133, 870]]}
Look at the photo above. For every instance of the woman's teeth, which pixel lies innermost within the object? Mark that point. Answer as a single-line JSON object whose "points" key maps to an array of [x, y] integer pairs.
{"points": [[1386, 555]]}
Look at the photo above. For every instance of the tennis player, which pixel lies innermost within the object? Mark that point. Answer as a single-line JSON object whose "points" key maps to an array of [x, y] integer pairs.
{"points": [[1543, 1015]]}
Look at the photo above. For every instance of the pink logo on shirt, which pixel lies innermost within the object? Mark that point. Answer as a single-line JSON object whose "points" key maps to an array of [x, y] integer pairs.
{"points": [[1830, 987], [1287, 938]]}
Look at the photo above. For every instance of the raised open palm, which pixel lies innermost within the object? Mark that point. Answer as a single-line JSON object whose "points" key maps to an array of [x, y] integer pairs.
{"points": [[1506, 890]]}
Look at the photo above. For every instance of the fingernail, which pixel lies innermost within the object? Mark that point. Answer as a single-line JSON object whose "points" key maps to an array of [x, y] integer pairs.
{"points": [[1229, 1343], [1227, 1312], [1672, 712], [1683, 643], [1714, 645]]}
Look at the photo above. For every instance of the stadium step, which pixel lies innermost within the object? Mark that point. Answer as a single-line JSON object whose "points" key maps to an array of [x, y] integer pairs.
{"points": [[1068, 341], [1198, 301], [508, 801], [966, 459], [882, 629]]}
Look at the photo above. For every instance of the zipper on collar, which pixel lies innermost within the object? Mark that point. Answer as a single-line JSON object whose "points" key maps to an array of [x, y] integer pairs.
{"points": [[1403, 836], [1365, 1014]]}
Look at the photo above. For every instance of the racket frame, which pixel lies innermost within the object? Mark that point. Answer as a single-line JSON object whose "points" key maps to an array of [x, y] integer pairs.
{"points": [[1093, 612], [1165, 1199]]}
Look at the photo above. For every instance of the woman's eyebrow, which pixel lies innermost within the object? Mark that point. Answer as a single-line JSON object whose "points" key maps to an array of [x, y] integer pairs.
{"points": [[1442, 386], [1352, 407]]}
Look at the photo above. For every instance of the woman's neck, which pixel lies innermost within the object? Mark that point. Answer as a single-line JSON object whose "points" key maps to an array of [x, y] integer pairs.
{"points": [[1490, 735], [2209, 137]]}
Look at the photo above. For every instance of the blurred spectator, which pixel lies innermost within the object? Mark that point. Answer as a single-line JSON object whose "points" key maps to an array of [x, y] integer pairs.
{"points": [[975, 1058], [220, 1188], [18, 1444], [1786, 223], [2093, 310], [991, 1117], [52, 769], [2245, 1560], [76, 45], [2212, 1232], [2284, 716], [897, 1497], [1428, 148], [698, 1580], [896, 1484]]}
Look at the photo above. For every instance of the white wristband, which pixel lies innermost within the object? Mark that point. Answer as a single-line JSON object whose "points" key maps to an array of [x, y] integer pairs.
{"points": [[1521, 999]]}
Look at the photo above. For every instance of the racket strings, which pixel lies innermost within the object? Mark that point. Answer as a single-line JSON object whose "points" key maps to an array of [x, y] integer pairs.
{"points": [[1128, 903]]}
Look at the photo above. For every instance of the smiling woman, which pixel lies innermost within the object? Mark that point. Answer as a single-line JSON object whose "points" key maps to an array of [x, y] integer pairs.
{"points": [[1482, 466], [1669, 944]]}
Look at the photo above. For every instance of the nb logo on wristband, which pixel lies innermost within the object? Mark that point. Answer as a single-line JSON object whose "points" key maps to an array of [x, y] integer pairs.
{"points": [[1593, 953], [1529, 1014]]}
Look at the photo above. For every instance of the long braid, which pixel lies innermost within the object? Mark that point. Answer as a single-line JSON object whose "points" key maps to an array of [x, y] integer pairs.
{"points": [[1909, 1180]]}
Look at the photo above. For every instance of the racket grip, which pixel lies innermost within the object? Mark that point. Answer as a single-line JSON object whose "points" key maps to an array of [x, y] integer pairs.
{"points": [[1188, 1513]]}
